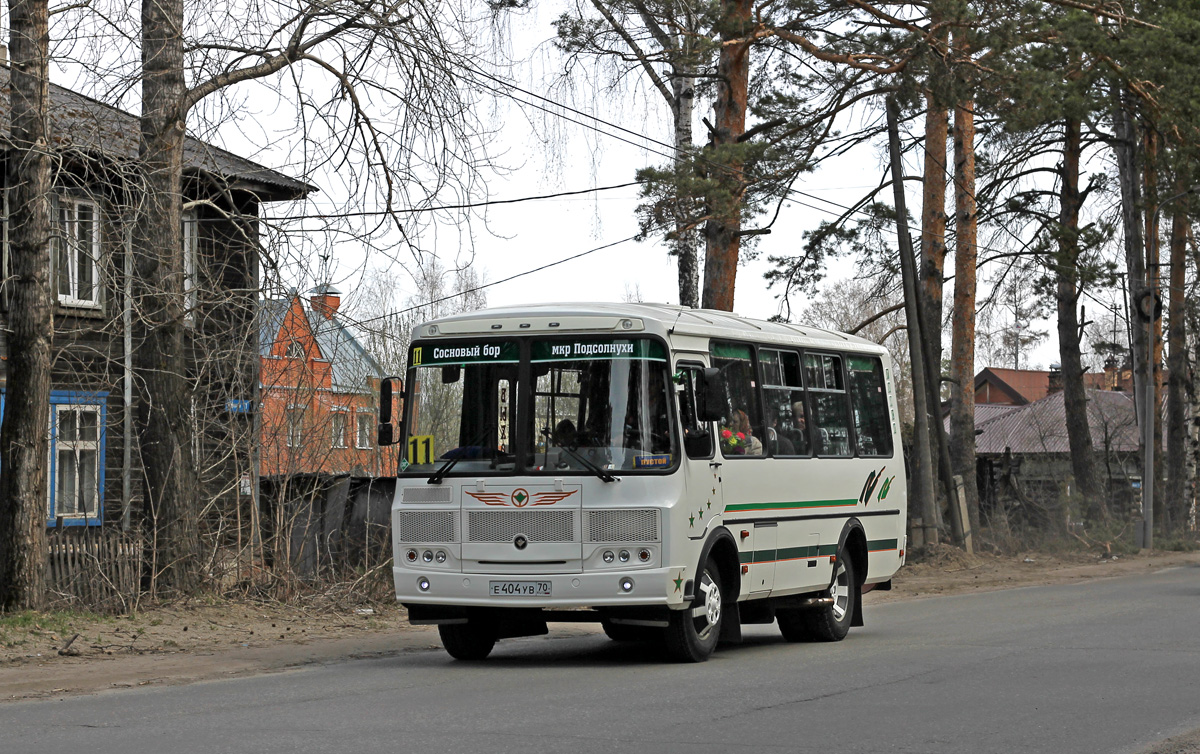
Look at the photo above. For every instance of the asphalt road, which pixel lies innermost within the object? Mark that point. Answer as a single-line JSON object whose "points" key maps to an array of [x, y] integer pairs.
{"points": [[1106, 666]]}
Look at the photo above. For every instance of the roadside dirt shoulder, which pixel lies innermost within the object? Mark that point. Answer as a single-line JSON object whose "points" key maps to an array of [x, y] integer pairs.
{"points": [[62, 654]]}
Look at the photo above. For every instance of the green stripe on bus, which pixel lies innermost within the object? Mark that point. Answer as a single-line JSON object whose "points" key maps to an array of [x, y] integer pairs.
{"points": [[740, 507], [800, 553]]}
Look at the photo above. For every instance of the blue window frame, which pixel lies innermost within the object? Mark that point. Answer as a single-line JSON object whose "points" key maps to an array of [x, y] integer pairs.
{"points": [[77, 451], [77, 424]]}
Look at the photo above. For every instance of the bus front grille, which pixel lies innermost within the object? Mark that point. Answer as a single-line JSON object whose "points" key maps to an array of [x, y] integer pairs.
{"points": [[620, 525], [426, 494], [538, 526], [425, 526]]}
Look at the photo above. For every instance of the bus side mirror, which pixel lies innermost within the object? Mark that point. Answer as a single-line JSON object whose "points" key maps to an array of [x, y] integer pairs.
{"points": [[388, 387], [709, 394]]}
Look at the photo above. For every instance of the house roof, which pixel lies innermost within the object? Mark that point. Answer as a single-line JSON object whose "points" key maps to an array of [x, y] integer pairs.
{"points": [[1041, 426], [1022, 385], [337, 340], [339, 343], [79, 121]]}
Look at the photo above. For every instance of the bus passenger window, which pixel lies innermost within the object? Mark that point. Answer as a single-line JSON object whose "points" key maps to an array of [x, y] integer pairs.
{"points": [[829, 404], [872, 427], [787, 415], [740, 429]]}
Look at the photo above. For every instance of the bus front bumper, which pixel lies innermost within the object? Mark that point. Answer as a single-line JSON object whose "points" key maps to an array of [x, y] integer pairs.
{"points": [[651, 586]]}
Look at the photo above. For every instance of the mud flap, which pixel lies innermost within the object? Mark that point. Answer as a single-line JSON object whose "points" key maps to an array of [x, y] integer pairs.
{"points": [[731, 625]]}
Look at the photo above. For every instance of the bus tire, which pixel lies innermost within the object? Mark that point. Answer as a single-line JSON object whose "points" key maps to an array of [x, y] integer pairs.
{"points": [[833, 623], [692, 633], [619, 632], [830, 623], [467, 641]]}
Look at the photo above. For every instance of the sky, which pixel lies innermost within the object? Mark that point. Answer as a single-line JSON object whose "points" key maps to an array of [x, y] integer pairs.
{"points": [[547, 154]]}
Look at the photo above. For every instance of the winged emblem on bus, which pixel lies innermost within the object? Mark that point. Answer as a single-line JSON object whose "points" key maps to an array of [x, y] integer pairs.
{"points": [[520, 497]]}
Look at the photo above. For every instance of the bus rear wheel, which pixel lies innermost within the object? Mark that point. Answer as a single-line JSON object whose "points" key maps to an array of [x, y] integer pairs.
{"points": [[829, 623], [693, 632], [467, 641]]}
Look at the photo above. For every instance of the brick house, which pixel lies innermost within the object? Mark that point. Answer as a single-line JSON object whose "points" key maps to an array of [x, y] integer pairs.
{"points": [[319, 391]]}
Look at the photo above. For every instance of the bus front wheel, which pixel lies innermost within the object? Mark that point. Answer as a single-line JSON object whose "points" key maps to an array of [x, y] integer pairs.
{"points": [[693, 632], [467, 641], [829, 623]]}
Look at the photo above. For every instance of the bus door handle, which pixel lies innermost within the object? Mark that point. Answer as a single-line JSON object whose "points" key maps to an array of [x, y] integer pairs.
{"points": [[714, 464]]}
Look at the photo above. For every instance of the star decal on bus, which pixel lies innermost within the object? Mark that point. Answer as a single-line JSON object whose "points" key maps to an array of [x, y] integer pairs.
{"points": [[520, 497]]}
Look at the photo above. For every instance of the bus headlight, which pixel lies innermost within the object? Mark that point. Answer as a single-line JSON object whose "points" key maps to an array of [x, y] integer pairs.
{"points": [[608, 556], [624, 556], [626, 584], [411, 556], [643, 555], [423, 584]]}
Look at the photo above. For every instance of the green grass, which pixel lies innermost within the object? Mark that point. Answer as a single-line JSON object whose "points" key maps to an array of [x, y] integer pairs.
{"points": [[15, 627]]}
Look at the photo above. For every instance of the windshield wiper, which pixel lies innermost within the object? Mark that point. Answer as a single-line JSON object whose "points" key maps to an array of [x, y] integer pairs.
{"points": [[587, 464], [444, 469]]}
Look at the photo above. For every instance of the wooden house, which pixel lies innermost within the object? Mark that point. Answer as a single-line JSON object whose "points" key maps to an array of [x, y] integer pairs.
{"points": [[94, 463]]}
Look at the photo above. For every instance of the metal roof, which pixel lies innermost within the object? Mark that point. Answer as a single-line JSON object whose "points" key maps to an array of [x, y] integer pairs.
{"points": [[338, 342], [78, 121], [1041, 426]]}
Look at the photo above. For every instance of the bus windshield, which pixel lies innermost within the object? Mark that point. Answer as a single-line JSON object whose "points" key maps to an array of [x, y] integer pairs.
{"points": [[599, 404], [461, 407]]}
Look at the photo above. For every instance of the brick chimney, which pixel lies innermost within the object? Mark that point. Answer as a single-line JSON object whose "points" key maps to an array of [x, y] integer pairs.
{"points": [[1054, 383], [325, 299]]}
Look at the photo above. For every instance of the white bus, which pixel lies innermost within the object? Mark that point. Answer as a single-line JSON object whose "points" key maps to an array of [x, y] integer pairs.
{"points": [[671, 473]]}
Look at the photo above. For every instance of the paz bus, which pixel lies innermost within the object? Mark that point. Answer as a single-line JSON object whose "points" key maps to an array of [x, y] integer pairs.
{"points": [[671, 473]]}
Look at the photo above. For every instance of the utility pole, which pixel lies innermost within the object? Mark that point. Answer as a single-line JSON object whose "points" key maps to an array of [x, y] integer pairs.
{"points": [[1148, 304], [924, 459]]}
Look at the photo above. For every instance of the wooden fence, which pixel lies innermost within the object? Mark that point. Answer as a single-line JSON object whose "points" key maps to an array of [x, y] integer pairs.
{"points": [[94, 569]]}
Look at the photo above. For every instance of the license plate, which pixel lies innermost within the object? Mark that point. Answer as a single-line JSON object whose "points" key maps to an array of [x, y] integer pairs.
{"points": [[520, 588]]}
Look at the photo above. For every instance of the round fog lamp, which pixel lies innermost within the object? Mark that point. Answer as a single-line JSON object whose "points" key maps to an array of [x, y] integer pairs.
{"points": [[643, 555], [427, 556], [423, 584], [441, 556], [624, 556], [411, 555], [626, 585], [608, 556]]}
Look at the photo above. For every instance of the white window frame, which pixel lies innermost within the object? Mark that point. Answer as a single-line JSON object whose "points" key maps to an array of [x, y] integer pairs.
{"points": [[359, 434], [294, 421], [191, 257], [66, 232], [91, 508], [338, 439]]}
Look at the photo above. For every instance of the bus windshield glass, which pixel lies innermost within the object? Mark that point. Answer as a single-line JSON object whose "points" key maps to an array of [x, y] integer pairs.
{"points": [[599, 404], [461, 407]]}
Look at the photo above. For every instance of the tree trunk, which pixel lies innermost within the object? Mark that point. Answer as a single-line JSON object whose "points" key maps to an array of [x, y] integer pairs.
{"points": [[164, 399], [962, 346], [933, 221], [1129, 168], [722, 234], [24, 442], [684, 244], [1178, 494], [1079, 434]]}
